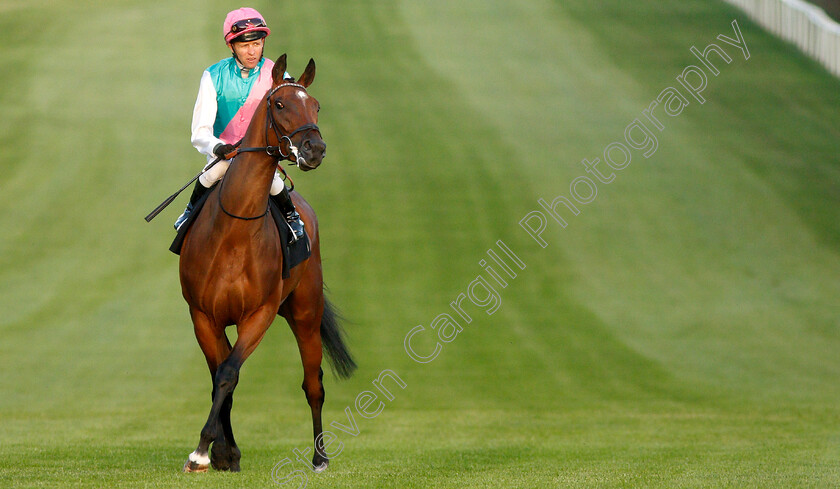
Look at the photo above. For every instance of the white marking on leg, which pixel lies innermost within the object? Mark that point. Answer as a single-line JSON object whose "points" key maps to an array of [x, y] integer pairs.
{"points": [[199, 459]]}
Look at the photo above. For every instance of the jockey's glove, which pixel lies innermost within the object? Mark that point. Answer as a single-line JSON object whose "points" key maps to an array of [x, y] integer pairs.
{"points": [[223, 149]]}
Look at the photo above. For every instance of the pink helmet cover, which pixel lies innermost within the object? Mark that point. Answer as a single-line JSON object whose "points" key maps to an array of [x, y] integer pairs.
{"points": [[237, 15]]}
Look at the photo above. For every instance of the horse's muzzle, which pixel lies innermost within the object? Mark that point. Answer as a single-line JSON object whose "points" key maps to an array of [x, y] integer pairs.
{"points": [[313, 151]]}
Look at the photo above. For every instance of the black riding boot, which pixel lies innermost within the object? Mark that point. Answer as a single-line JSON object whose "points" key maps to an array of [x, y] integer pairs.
{"points": [[287, 207], [198, 191]]}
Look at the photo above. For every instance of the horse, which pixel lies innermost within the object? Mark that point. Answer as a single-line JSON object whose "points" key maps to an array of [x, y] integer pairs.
{"points": [[231, 269]]}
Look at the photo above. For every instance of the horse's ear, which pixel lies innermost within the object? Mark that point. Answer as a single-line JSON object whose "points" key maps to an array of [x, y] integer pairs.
{"points": [[279, 69], [308, 74]]}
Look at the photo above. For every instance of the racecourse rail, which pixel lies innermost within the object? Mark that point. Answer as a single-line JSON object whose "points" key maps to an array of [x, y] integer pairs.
{"points": [[805, 25]]}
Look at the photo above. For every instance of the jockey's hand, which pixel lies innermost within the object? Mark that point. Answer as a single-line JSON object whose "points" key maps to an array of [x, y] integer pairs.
{"points": [[223, 149]]}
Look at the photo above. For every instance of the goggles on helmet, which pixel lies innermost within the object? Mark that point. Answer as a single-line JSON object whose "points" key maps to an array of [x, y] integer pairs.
{"points": [[246, 24]]}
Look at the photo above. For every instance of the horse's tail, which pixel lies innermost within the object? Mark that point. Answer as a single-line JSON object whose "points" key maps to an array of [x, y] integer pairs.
{"points": [[332, 339]]}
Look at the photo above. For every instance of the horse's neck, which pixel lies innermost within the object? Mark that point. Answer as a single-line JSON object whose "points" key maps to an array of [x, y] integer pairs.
{"points": [[248, 180]]}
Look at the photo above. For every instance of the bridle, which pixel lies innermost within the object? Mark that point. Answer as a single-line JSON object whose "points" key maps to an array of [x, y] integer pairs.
{"points": [[275, 152]]}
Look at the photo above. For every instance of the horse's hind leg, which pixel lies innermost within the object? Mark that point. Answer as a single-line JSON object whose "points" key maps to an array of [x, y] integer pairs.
{"points": [[303, 310], [226, 456]]}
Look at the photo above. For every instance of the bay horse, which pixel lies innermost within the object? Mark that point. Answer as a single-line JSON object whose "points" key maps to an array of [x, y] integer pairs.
{"points": [[231, 269]]}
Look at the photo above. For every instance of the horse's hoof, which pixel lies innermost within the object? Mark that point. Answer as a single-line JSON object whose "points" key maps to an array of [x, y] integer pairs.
{"points": [[224, 457], [191, 466], [197, 463], [320, 468], [220, 462]]}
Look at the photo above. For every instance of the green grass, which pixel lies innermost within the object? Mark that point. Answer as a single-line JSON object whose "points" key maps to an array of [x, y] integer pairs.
{"points": [[682, 331]]}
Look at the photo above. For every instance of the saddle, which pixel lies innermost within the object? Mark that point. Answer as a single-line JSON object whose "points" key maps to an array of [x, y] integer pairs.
{"points": [[293, 254]]}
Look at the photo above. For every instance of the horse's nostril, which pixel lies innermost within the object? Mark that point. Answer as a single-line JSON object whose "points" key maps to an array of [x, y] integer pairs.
{"points": [[314, 147]]}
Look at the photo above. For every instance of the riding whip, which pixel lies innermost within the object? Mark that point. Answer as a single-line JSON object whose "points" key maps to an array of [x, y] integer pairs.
{"points": [[172, 197]]}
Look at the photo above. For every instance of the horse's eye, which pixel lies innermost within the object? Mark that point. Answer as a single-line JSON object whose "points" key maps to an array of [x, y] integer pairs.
{"points": [[278, 104]]}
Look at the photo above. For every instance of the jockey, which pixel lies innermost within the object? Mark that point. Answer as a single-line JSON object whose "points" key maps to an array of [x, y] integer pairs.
{"points": [[228, 95]]}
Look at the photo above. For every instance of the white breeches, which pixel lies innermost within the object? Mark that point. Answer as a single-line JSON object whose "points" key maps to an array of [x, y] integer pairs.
{"points": [[213, 175]]}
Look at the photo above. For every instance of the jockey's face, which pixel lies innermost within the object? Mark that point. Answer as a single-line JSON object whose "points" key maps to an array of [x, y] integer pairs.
{"points": [[249, 53]]}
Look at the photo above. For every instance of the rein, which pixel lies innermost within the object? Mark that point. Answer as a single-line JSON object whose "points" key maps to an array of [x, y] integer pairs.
{"points": [[222, 206], [275, 152]]}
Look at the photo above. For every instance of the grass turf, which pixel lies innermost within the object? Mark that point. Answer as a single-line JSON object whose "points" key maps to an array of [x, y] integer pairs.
{"points": [[680, 332]]}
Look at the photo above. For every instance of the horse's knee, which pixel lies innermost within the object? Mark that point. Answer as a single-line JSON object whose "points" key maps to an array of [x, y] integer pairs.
{"points": [[227, 376]]}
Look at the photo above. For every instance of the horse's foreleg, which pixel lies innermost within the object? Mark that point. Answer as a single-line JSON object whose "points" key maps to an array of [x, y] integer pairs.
{"points": [[216, 347], [225, 454]]}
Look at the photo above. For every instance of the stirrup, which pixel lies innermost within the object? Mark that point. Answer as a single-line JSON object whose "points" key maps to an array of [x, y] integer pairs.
{"points": [[296, 231]]}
